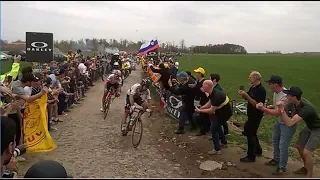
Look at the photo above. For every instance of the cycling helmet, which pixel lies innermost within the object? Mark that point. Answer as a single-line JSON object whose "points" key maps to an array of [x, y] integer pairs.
{"points": [[116, 64], [117, 73], [145, 82], [116, 54]]}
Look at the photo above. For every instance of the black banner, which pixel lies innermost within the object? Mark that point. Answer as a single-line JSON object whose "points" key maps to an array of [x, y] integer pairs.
{"points": [[174, 104], [39, 47]]}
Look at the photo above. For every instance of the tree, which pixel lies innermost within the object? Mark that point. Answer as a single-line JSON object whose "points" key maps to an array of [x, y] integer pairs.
{"points": [[182, 44]]}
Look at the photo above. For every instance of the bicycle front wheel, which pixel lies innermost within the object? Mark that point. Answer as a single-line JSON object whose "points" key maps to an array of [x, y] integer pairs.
{"points": [[137, 132], [107, 106]]}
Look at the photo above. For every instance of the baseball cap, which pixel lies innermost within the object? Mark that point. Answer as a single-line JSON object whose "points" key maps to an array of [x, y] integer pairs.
{"points": [[275, 79], [59, 72], [182, 75], [293, 91], [200, 70], [46, 169]]}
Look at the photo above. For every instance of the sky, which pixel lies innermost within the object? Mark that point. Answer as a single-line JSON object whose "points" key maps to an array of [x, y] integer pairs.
{"points": [[289, 26]]}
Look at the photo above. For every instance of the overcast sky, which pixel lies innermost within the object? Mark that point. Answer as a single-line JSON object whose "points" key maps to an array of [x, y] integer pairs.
{"points": [[258, 26]]}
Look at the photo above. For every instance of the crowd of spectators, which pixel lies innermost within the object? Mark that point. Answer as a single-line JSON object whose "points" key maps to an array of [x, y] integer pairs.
{"points": [[207, 107], [65, 84]]}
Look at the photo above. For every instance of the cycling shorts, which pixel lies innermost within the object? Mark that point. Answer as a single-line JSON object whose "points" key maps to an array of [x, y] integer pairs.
{"points": [[109, 85], [136, 99]]}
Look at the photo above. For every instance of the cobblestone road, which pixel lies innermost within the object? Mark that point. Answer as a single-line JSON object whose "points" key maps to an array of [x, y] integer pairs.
{"points": [[89, 146]]}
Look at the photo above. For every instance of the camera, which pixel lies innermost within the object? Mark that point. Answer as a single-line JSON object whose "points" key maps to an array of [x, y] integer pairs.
{"points": [[8, 174]]}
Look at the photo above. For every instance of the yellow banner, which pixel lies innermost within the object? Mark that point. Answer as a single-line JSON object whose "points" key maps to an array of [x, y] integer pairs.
{"points": [[36, 135], [153, 76]]}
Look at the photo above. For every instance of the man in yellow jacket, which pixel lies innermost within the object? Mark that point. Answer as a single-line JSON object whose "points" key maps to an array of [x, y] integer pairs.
{"points": [[14, 72]]}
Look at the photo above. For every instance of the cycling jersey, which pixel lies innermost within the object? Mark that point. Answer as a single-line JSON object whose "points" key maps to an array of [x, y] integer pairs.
{"points": [[113, 79], [136, 91]]}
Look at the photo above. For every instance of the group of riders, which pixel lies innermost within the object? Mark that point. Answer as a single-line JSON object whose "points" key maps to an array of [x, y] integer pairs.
{"points": [[138, 93]]}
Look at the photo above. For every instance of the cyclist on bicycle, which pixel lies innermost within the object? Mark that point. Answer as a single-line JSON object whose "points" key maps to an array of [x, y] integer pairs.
{"points": [[114, 80], [139, 93]]}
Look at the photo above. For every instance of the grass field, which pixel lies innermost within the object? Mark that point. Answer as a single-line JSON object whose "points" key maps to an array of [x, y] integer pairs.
{"points": [[5, 66], [299, 70]]}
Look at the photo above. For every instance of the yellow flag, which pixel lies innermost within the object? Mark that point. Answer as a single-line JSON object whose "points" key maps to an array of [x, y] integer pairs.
{"points": [[36, 135]]}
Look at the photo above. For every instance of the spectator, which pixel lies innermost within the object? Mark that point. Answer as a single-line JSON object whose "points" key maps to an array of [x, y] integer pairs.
{"points": [[281, 132], [255, 95], [165, 75], [191, 76], [203, 119], [310, 135], [82, 67], [215, 78], [18, 89], [188, 95], [8, 133], [173, 68], [46, 169], [219, 106]]}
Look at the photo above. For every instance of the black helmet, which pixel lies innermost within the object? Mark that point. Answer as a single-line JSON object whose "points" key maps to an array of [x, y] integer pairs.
{"points": [[79, 51], [145, 82]]}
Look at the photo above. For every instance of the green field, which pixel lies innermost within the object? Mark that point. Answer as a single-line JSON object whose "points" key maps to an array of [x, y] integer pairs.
{"points": [[299, 70], [5, 66]]}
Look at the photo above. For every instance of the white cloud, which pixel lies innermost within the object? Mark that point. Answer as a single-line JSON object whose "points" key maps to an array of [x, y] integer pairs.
{"points": [[258, 26]]}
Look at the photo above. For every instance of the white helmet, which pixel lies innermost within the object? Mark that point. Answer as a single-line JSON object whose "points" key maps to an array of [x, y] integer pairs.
{"points": [[116, 54], [116, 64], [117, 72], [176, 63]]}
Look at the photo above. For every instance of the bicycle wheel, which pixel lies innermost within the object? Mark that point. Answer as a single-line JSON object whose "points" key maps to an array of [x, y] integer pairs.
{"points": [[137, 135], [107, 106]]}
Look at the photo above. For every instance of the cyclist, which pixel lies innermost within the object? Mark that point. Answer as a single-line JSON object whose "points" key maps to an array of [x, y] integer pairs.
{"points": [[139, 93], [116, 58], [128, 65], [114, 80]]}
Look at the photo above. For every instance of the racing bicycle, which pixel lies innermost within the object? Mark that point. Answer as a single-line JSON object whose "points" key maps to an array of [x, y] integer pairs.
{"points": [[109, 99], [135, 124]]}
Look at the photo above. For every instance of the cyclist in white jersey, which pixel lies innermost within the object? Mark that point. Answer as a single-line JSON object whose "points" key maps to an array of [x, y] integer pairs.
{"points": [[139, 93], [114, 80]]}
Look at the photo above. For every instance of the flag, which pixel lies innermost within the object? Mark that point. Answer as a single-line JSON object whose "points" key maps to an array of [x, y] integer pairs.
{"points": [[36, 135], [148, 46]]}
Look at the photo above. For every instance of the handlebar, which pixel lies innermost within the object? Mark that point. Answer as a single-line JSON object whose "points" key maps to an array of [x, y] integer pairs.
{"points": [[140, 110]]}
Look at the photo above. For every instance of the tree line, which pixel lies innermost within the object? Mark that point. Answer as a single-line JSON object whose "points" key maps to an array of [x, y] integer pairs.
{"points": [[97, 45]]}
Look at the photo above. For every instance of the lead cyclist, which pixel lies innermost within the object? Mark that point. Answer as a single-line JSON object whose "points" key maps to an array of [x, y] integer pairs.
{"points": [[135, 95], [113, 80]]}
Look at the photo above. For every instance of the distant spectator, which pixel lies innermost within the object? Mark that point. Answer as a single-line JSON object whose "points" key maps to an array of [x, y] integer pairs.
{"points": [[173, 68]]}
